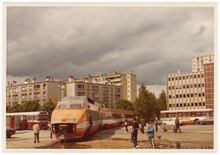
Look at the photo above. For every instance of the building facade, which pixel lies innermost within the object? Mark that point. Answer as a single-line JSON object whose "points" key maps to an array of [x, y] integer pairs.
{"points": [[126, 81], [33, 90], [209, 85], [104, 93], [192, 90], [199, 60], [186, 91]]}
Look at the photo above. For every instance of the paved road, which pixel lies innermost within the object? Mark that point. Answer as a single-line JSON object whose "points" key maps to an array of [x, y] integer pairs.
{"points": [[115, 138]]}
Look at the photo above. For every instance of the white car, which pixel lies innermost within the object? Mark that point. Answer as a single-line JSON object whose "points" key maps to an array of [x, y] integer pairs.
{"points": [[171, 121]]}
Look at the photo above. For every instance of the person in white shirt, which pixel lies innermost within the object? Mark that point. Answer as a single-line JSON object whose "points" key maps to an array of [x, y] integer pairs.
{"points": [[36, 131]]}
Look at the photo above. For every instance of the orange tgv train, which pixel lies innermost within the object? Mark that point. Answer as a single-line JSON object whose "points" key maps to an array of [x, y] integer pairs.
{"points": [[79, 116]]}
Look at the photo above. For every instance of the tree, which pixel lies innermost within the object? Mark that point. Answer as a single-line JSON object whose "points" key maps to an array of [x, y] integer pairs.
{"points": [[30, 106], [161, 103], [145, 103], [162, 100], [49, 107], [15, 108], [124, 105]]}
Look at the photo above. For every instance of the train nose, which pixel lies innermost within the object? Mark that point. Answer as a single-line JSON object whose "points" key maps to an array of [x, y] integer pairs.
{"points": [[65, 128]]}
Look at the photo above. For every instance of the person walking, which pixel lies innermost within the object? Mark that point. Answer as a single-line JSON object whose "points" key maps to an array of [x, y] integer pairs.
{"points": [[134, 133], [36, 131], [156, 123], [142, 125], [150, 132], [177, 124], [126, 124]]}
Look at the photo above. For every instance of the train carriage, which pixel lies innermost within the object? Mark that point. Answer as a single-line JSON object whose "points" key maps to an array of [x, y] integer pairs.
{"points": [[78, 116]]}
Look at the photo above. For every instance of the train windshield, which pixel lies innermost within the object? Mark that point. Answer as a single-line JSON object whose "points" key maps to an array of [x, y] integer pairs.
{"points": [[68, 106]]}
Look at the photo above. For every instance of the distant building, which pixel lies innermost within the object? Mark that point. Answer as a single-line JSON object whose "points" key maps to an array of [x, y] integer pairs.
{"points": [[185, 91], [33, 90], [106, 94], [199, 60], [106, 88], [126, 81], [192, 90], [209, 85]]}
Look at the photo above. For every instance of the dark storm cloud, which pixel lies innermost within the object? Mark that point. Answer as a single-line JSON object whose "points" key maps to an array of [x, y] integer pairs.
{"points": [[79, 41]]}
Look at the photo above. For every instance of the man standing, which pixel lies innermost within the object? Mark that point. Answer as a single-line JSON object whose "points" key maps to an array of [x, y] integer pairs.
{"points": [[150, 132], [134, 133], [126, 124], [177, 124], [36, 131], [156, 123]]}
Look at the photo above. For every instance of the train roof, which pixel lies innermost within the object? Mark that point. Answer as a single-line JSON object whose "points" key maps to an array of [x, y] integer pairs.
{"points": [[77, 99]]}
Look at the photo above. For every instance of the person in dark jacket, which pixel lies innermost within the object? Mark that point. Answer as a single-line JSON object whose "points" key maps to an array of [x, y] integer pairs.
{"points": [[177, 124], [142, 125], [134, 133]]}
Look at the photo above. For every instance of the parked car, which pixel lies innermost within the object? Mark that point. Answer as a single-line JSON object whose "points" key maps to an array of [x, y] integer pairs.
{"points": [[207, 120], [171, 121], [9, 131]]}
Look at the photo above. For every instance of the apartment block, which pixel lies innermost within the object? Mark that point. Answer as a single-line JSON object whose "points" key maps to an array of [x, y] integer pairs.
{"points": [[126, 81], [199, 60], [108, 94], [33, 90]]}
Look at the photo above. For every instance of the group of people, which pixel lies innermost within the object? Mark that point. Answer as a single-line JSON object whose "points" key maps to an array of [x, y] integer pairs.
{"points": [[150, 129], [135, 128]]}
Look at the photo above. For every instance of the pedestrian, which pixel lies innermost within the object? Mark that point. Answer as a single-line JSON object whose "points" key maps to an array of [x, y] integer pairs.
{"points": [[142, 125], [177, 124], [51, 131], [150, 132], [134, 133], [36, 131], [156, 123], [126, 124]]}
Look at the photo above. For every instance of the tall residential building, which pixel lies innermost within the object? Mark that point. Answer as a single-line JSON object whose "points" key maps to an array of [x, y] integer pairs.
{"points": [[33, 90], [192, 90], [209, 85], [126, 81], [199, 60], [105, 93]]}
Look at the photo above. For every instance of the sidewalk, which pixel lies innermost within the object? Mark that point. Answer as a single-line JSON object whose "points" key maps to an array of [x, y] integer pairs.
{"points": [[24, 139]]}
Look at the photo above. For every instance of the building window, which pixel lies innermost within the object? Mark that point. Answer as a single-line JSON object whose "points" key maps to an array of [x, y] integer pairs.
{"points": [[200, 104], [191, 95], [184, 95], [192, 104], [181, 105], [169, 96], [180, 95], [183, 77], [176, 96], [177, 105], [195, 104], [203, 103], [170, 105]]}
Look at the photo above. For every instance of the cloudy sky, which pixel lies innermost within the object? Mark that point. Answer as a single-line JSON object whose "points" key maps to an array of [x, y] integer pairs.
{"points": [[64, 41]]}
